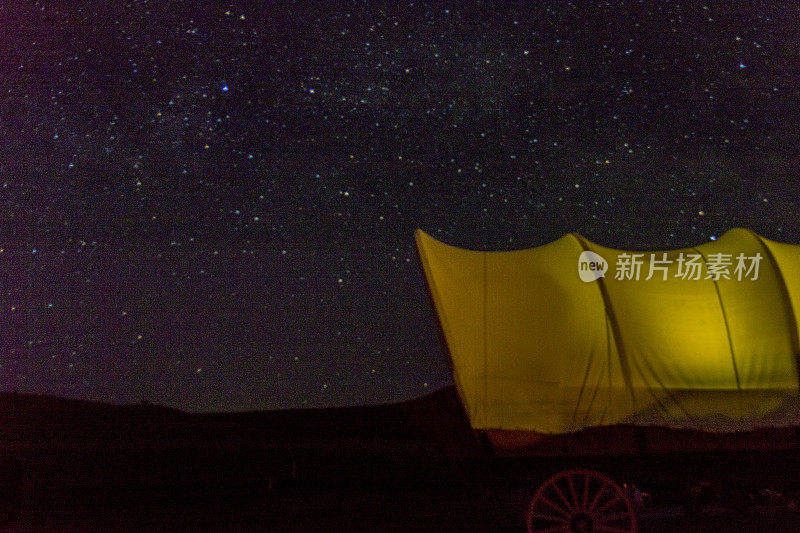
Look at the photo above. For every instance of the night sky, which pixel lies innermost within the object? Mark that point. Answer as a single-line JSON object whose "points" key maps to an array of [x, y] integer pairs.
{"points": [[212, 207]]}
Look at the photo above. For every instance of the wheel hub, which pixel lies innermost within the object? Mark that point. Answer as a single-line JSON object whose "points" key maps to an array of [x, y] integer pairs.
{"points": [[581, 523]]}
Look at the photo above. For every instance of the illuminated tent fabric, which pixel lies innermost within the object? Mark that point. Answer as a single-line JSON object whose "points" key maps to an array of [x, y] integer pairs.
{"points": [[535, 348]]}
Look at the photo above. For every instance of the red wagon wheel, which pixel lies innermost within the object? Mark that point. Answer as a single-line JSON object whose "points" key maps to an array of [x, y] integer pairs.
{"points": [[581, 501]]}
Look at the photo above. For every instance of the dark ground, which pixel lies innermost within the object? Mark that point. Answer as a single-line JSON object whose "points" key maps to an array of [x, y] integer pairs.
{"points": [[416, 466], [461, 508]]}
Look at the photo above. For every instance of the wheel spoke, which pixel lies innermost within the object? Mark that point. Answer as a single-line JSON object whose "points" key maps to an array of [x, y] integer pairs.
{"points": [[610, 503], [552, 504], [611, 517], [584, 500], [573, 492], [555, 529], [551, 518], [597, 496], [608, 529], [561, 495]]}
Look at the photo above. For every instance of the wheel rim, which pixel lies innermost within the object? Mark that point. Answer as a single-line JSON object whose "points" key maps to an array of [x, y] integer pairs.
{"points": [[581, 501]]}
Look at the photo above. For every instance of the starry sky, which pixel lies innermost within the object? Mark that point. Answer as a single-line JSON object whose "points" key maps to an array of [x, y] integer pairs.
{"points": [[211, 206]]}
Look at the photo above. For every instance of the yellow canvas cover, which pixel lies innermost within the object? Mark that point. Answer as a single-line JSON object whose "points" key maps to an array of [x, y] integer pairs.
{"points": [[536, 348]]}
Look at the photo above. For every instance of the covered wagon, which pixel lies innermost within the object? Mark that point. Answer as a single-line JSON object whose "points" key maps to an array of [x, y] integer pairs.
{"points": [[575, 350]]}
